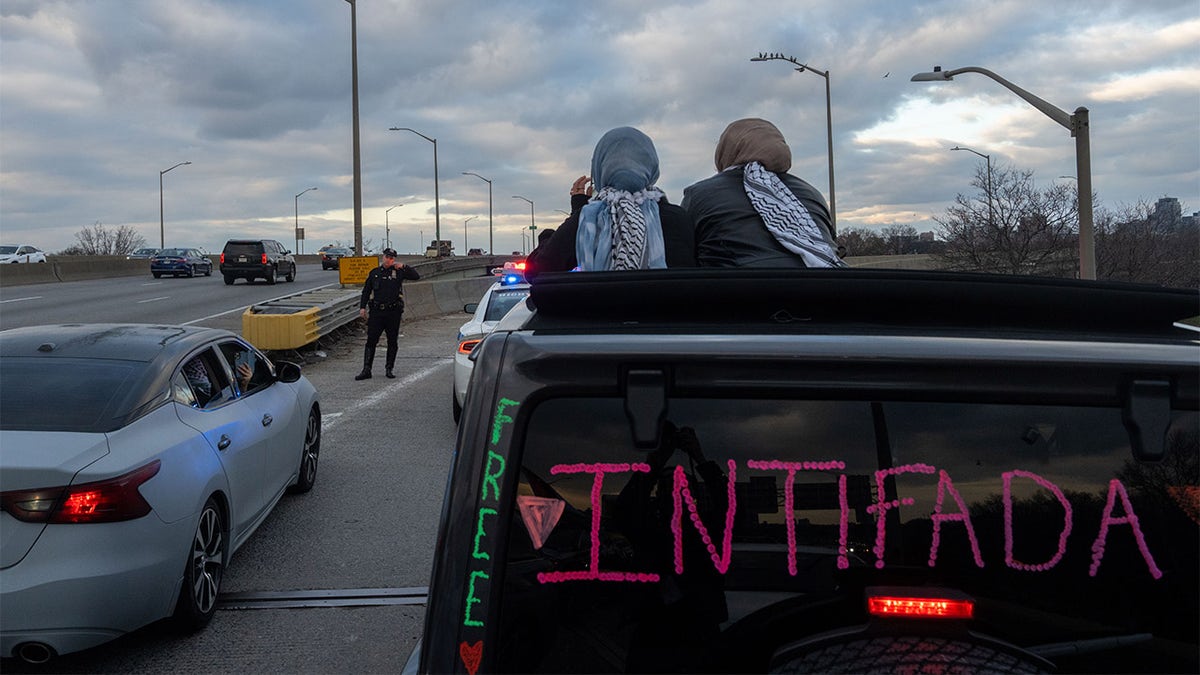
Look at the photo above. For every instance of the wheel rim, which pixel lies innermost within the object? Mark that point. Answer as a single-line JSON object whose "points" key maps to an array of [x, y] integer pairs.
{"points": [[312, 447], [208, 564]]}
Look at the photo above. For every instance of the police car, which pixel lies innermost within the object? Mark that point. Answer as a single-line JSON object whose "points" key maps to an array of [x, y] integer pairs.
{"points": [[500, 297]]}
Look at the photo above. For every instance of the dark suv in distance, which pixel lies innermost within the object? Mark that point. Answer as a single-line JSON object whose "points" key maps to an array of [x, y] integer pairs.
{"points": [[252, 259], [825, 471]]}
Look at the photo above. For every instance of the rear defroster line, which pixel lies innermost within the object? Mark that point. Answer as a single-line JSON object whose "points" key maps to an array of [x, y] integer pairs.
{"points": [[342, 597]]}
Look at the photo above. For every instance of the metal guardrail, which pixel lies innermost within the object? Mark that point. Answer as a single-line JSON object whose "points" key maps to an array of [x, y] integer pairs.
{"points": [[297, 320]]}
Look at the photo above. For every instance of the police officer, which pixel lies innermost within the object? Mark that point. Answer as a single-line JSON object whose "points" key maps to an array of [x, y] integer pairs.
{"points": [[383, 293]]}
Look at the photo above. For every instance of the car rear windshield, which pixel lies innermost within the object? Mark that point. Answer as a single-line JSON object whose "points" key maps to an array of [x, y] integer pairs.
{"points": [[755, 517], [87, 395], [251, 249], [173, 252], [502, 301]]}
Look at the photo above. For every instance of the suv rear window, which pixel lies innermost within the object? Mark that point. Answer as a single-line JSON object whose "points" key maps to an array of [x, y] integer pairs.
{"points": [[748, 526], [250, 249]]}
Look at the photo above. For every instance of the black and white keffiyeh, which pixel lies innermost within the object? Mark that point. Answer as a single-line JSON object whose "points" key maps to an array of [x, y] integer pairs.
{"points": [[787, 219]]}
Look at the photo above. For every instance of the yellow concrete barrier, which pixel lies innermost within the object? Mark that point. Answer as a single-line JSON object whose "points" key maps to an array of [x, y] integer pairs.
{"points": [[280, 331]]}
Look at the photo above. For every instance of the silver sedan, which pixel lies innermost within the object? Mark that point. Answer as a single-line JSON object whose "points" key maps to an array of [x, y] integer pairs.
{"points": [[137, 459]]}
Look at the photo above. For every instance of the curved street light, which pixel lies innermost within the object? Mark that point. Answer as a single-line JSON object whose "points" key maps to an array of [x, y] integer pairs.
{"points": [[532, 224], [437, 215], [1077, 123], [161, 231], [465, 231], [387, 228], [491, 243], [296, 229], [988, 158], [802, 67]]}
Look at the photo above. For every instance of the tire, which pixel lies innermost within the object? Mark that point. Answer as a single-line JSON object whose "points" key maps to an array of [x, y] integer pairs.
{"points": [[208, 272], [270, 277], [908, 654], [228, 280], [191, 273], [291, 275], [309, 454], [157, 275], [455, 406], [204, 569]]}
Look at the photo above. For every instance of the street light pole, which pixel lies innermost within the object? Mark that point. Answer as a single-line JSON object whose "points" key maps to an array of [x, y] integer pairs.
{"points": [[161, 229], [465, 232], [991, 212], [437, 215], [357, 155], [1077, 123], [296, 229], [532, 224], [387, 228], [802, 67], [491, 242]]}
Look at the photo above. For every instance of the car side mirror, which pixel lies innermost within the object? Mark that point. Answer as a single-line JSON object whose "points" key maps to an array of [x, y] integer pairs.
{"points": [[470, 307], [287, 372]]}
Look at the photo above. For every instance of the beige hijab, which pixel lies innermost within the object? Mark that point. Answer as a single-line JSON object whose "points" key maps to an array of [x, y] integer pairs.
{"points": [[753, 140]]}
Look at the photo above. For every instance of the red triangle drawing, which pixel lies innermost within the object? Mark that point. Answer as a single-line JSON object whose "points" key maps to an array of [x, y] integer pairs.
{"points": [[540, 515], [1188, 499]]}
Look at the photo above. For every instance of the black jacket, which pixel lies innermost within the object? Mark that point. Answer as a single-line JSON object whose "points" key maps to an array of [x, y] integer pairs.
{"points": [[386, 285], [557, 254], [730, 233]]}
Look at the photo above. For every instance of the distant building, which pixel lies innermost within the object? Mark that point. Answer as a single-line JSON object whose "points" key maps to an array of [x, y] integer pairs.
{"points": [[1168, 214], [1192, 221]]}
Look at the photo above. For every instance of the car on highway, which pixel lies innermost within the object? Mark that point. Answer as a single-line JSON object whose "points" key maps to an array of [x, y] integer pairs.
{"points": [[252, 259], [21, 253], [331, 257], [137, 459], [495, 303], [143, 254], [176, 262], [825, 470]]}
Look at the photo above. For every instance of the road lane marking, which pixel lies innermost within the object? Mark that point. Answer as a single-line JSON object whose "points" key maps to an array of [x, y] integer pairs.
{"points": [[245, 307], [32, 297], [386, 392], [165, 297]]}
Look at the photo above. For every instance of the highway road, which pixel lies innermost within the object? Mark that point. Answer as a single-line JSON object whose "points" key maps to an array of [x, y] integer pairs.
{"points": [[369, 523], [205, 301]]}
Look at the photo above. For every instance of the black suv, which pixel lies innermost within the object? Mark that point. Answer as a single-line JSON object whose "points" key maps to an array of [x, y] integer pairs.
{"points": [[825, 471], [252, 259]]}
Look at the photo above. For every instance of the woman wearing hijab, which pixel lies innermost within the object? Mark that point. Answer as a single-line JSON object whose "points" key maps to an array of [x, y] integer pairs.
{"points": [[628, 224], [755, 214]]}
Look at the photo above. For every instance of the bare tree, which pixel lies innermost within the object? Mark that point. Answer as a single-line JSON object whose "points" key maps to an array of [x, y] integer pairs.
{"points": [[1133, 245], [1017, 228], [100, 240], [861, 241], [900, 239]]}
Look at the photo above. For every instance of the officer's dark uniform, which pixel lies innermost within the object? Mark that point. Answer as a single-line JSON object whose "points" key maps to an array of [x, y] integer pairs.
{"points": [[384, 295]]}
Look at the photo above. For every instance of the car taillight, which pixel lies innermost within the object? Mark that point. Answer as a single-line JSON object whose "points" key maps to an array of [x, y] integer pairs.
{"points": [[105, 501], [468, 346], [919, 603], [264, 259], [222, 257]]}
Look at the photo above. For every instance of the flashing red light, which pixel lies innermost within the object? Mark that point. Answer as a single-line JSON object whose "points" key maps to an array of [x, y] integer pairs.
{"points": [[520, 266], [903, 607], [104, 501]]}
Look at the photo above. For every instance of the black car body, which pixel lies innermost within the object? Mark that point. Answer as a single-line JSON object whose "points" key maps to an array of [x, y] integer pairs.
{"points": [[330, 257], [252, 259], [186, 262], [824, 471]]}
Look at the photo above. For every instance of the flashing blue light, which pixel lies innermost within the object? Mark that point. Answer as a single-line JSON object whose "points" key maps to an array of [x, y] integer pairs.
{"points": [[511, 279]]}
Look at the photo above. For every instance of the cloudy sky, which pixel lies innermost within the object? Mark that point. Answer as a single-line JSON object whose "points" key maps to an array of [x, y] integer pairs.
{"points": [[99, 96]]}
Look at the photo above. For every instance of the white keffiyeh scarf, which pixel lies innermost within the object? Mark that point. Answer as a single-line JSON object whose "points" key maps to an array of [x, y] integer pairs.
{"points": [[787, 219]]}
